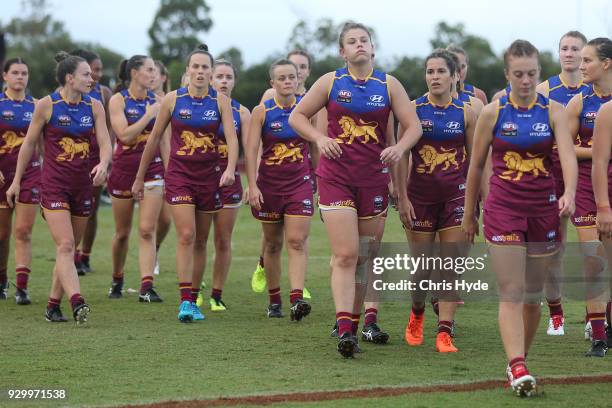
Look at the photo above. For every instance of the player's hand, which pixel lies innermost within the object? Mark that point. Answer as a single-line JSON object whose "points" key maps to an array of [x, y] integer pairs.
{"points": [[245, 197], [329, 147], [2, 180], [406, 211], [391, 155], [469, 225], [393, 195], [152, 110], [604, 221], [12, 192], [98, 174], [255, 197], [567, 205], [138, 189], [227, 178]]}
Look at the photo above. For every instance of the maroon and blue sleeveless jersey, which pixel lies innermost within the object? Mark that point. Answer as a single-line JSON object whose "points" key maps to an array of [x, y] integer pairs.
{"points": [[591, 102], [222, 144], [67, 141], [465, 93], [96, 93], [558, 91], [284, 166], [15, 118], [522, 183], [127, 157], [357, 111], [193, 145], [439, 159]]}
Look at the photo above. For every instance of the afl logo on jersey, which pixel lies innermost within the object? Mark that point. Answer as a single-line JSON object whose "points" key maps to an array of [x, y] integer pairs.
{"points": [[509, 129], [8, 115], [589, 117], [132, 113], [276, 126], [344, 96], [63, 120], [427, 125], [185, 113]]}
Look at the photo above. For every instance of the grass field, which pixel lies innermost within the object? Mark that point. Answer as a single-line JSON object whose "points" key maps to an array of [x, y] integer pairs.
{"points": [[133, 353]]}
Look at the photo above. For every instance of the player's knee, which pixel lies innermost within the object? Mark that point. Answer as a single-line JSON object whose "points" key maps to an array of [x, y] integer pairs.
{"points": [[274, 246], [65, 246], [344, 260], [296, 243], [185, 236], [23, 233], [223, 243]]}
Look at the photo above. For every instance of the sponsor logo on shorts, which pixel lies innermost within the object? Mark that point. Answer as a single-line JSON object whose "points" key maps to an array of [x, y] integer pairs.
{"points": [[59, 205], [121, 193], [459, 210], [427, 125], [506, 238], [344, 96], [218, 202], [181, 198], [8, 115], [185, 113], [377, 101], [342, 203], [64, 120], [551, 235], [307, 205], [269, 215], [378, 203], [552, 198], [276, 126], [590, 117], [462, 187], [132, 112], [509, 129], [590, 218], [422, 224]]}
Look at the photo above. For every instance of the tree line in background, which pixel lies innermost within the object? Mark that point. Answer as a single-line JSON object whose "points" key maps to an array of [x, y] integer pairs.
{"points": [[179, 26]]}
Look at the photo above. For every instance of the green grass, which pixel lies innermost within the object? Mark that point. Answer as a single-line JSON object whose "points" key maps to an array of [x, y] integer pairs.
{"points": [[132, 352]]}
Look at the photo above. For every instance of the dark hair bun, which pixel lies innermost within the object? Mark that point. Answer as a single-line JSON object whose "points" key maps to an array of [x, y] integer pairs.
{"points": [[60, 56], [202, 47]]}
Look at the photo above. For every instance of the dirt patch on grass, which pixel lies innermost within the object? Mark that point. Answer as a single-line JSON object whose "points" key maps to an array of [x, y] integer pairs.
{"points": [[364, 393]]}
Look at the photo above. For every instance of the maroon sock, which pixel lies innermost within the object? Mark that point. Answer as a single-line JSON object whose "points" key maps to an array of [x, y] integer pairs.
{"points": [[261, 261], [146, 283], [355, 323], [77, 256], [53, 303], [194, 294], [371, 316], [185, 288], [117, 277], [609, 313], [436, 306], [85, 256], [22, 274], [418, 312], [444, 326], [345, 323], [76, 300], [597, 324], [296, 294], [3, 276], [275, 296], [216, 294], [555, 308]]}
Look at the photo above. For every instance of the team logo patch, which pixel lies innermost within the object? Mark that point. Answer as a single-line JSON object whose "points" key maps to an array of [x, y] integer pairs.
{"points": [[276, 126], [185, 113], [63, 120], [344, 96], [132, 113], [589, 117], [86, 120], [509, 129], [8, 115], [427, 125], [378, 203]]}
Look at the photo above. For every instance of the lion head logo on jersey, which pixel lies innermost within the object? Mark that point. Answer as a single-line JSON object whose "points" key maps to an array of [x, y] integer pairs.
{"points": [[72, 148], [282, 152], [517, 165], [12, 141], [433, 158], [141, 138], [351, 131], [192, 142]]}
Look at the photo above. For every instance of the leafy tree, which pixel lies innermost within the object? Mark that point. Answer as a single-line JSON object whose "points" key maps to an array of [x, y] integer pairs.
{"points": [[176, 28]]}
